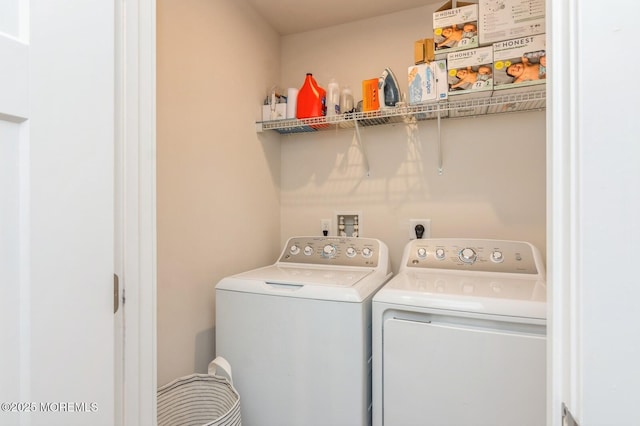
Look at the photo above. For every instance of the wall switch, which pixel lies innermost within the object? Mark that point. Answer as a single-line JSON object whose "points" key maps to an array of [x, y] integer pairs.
{"points": [[325, 226], [415, 222]]}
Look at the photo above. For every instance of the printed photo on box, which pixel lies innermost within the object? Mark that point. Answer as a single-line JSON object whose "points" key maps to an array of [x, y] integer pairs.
{"points": [[530, 67], [456, 35], [470, 78], [455, 28]]}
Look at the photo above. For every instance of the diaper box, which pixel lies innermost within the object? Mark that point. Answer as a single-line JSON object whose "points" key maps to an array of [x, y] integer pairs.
{"points": [[428, 82], [455, 28], [507, 19], [470, 71], [469, 76], [520, 62]]}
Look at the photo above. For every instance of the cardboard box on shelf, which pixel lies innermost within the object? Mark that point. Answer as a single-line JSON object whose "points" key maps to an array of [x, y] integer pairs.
{"points": [[278, 112], [470, 71], [423, 51], [469, 75], [455, 28], [427, 82], [507, 19], [370, 95], [520, 62]]}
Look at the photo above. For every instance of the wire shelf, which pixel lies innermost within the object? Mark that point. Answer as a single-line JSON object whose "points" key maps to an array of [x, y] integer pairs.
{"points": [[496, 104]]}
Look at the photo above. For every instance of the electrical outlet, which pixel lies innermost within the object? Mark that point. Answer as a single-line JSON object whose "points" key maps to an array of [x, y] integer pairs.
{"points": [[325, 226], [415, 222]]}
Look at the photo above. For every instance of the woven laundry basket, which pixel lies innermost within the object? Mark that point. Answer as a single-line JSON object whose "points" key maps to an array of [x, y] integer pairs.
{"points": [[201, 399]]}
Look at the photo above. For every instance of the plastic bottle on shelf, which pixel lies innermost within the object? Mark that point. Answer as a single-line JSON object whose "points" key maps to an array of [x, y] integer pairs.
{"points": [[333, 97], [292, 102], [311, 99], [346, 100]]}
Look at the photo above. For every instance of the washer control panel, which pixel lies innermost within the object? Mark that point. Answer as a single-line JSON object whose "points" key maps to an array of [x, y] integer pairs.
{"points": [[332, 251], [473, 254]]}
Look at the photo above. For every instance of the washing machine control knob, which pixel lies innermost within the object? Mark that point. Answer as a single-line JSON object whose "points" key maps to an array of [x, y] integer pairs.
{"points": [[440, 254], [329, 251], [497, 256], [367, 252], [294, 249], [468, 255], [422, 252], [308, 250], [351, 252]]}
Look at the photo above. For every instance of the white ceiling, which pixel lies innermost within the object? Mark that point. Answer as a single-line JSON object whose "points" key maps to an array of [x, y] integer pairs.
{"points": [[296, 16]]}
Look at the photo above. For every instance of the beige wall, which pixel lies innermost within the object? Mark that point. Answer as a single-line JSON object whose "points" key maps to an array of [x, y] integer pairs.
{"points": [[217, 183], [228, 197], [493, 185]]}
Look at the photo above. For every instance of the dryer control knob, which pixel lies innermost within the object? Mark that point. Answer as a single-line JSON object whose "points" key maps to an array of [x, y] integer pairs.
{"points": [[308, 250], [294, 249], [367, 252], [329, 251], [351, 252], [468, 255], [440, 254]]}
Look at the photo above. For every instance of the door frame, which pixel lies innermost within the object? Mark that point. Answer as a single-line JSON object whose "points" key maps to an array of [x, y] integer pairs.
{"points": [[563, 231], [136, 139], [135, 205]]}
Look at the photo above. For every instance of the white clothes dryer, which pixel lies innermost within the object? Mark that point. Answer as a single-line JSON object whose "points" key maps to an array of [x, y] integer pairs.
{"points": [[298, 333], [460, 336]]}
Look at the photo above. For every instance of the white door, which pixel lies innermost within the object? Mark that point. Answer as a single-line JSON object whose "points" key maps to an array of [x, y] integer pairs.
{"points": [[594, 208], [56, 212]]}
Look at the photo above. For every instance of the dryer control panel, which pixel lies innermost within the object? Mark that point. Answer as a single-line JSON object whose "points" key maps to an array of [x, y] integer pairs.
{"points": [[340, 251], [474, 255]]}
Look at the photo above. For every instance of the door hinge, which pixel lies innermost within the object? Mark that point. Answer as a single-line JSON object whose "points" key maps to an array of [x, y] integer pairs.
{"points": [[567, 417], [116, 293]]}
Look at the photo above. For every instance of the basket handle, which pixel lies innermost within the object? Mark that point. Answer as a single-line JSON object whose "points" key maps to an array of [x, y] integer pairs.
{"points": [[222, 365]]}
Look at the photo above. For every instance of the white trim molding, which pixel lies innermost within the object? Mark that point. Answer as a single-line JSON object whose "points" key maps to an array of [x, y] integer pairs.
{"points": [[136, 145], [562, 218]]}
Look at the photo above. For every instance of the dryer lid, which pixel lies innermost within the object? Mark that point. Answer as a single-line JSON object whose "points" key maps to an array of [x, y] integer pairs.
{"points": [[491, 294]]}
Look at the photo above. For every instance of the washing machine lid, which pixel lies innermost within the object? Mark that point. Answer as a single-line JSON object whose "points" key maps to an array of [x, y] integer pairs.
{"points": [[307, 275], [486, 294], [335, 283]]}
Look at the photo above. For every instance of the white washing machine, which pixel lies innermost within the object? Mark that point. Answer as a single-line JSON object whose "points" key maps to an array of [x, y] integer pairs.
{"points": [[459, 336], [298, 333]]}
